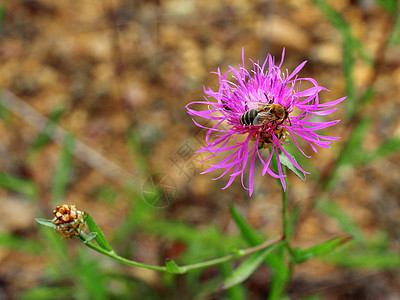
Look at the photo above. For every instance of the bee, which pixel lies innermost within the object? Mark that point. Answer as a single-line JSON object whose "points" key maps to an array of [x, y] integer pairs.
{"points": [[272, 113]]}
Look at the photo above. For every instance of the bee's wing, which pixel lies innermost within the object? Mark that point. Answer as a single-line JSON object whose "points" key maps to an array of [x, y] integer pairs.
{"points": [[263, 106], [260, 118]]}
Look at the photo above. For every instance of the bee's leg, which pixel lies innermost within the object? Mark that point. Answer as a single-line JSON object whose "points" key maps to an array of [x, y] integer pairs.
{"points": [[281, 122], [270, 101]]}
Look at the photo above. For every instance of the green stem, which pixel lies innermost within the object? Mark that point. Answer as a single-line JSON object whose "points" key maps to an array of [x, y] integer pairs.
{"points": [[285, 220], [285, 231], [240, 253], [182, 269], [285, 213], [115, 256], [285, 225]]}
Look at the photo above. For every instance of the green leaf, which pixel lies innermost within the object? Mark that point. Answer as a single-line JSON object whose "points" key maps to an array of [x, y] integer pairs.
{"points": [[333, 16], [236, 292], [235, 251], [286, 162], [389, 5], [90, 276], [63, 169], [23, 186], [388, 147], [277, 265], [347, 224], [46, 293], [4, 113], [274, 261], [21, 244], [244, 271], [395, 36], [205, 242], [44, 137], [60, 255], [106, 194], [172, 267], [280, 274], [3, 11], [245, 229], [343, 27], [300, 256], [351, 153], [45, 222], [368, 260], [349, 61], [140, 150], [350, 47], [367, 95], [90, 237], [100, 238]]}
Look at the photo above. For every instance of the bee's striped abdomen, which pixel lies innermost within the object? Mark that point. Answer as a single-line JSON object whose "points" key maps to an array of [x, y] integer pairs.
{"points": [[248, 117]]}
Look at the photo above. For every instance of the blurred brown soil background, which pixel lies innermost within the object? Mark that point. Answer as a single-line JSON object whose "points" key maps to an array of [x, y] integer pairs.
{"points": [[123, 66]]}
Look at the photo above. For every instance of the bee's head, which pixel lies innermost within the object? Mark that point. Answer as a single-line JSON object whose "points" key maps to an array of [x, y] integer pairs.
{"points": [[279, 111]]}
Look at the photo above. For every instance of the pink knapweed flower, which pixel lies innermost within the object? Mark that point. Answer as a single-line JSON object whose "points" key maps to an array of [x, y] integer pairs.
{"points": [[257, 109]]}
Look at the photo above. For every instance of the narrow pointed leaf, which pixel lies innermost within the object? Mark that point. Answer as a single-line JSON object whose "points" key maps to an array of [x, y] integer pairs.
{"points": [[90, 237], [44, 137], [245, 229], [4, 113], [388, 147], [366, 260], [100, 238], [368, 95], [286, 162], [45, 222], [301, 256], [395, 35], [46, 292], [332, 209], [236, 292], [353, 145], [390, 6], [22, 244], [253, 239], [19, 185], [3, 10], [245, 270]]}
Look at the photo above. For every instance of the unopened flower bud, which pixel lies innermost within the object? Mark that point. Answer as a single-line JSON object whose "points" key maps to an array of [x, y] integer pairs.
{"points": [[68, 220]]}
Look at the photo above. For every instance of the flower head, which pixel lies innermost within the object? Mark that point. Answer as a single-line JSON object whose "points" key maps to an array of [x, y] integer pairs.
{"points": [[257, 109], [68, 220]]}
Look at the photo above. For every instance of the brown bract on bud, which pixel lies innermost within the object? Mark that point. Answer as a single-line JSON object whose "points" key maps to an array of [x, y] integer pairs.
{"points": [[68, 220]]}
